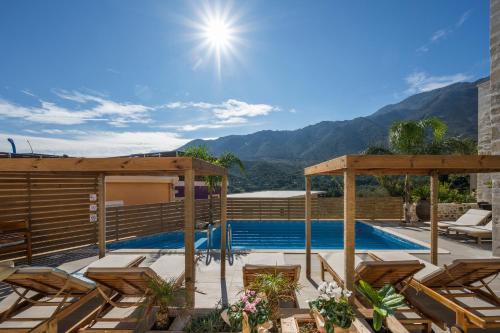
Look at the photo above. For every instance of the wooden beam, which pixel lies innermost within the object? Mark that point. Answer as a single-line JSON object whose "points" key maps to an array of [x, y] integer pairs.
{"points": [[407, 164], [308, 214], [349, 227], [112, 165], [434, 217], [101, 214], [189, 224], [338, 163], [223, 222]]}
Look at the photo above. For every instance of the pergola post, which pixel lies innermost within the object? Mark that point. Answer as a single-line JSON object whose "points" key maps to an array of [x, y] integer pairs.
{"points": [[189, 224], [101, 214], [223, 223], [349, 227], [434, 217], [308, 213]]}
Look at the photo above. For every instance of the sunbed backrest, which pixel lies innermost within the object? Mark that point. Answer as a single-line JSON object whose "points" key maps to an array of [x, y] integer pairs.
{"points": [[251, 271], [48, 280], [463, 272], [133, 281], [380, 273], [473, 217]]}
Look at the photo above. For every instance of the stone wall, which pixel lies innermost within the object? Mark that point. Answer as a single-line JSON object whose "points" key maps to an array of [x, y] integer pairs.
{"points": [[495, 115], [484, 139], [447, 211]]}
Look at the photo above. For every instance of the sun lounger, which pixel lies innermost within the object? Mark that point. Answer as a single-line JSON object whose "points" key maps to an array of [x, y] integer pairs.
{"points": [[462, 287], [123, 289], [44, 296], [473, 217], [292, 272], [478, 232], [378, 274]]}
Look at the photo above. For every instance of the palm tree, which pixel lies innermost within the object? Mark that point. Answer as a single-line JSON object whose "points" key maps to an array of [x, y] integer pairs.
{"points": [[409, 137], [225, 160]]}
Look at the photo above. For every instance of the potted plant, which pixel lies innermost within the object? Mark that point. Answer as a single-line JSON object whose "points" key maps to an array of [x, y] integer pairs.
{"points": [[384, 302], [331, 310], [277, 288], [161, 296], [421, 195], [250, 313]]}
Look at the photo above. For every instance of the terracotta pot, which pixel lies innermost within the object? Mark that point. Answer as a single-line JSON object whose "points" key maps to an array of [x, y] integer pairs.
{"points": [[423, 210]]}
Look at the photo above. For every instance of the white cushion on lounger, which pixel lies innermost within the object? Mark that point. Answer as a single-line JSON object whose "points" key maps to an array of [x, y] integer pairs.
{"points": [[169, 267], [479, 228], [471, 218], [398, 255], [109, 261], [336, 262]]}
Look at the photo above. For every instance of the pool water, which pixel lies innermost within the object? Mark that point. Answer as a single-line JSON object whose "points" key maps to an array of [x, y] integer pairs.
{"points": [[289, 235]]}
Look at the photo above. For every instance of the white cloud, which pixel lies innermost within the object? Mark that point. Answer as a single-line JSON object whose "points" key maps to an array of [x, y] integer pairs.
{"points": [[231, 112], [421, 81], [234, 108], [97, 143], [442, 34], [89, 108], [465, 16]]}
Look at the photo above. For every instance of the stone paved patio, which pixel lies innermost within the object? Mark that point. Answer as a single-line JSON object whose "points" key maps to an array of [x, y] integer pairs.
{"points": [[212, 289]]}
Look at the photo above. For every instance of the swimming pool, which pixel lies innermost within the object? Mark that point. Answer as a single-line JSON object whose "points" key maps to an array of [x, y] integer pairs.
{"points": [[286, 235]]}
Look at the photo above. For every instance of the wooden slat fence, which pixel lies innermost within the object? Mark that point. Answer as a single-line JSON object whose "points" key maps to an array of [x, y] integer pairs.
{"points": [[322, 208], [141, 220], [60, 210], [57, 207]]}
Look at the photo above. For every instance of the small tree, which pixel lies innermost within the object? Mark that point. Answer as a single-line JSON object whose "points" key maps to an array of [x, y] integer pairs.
{"points": [[225, 160], [414, 137], [161, 294]]}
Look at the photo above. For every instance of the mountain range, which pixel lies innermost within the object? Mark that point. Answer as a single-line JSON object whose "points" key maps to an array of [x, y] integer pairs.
{"points": [[275, 159]]}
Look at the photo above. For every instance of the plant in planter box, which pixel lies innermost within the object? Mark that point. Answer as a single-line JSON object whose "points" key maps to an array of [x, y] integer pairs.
{"points": [[209, 323], [252, 307], [384, 301], [162, 294], [333, 306], [421, 195], [276, 287]]}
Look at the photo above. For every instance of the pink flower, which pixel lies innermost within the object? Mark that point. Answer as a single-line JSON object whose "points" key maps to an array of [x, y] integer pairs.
{"points": [[250, 307], [251, 292], [244, 298]]}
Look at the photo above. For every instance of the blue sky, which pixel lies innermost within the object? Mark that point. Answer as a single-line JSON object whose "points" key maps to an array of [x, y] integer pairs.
{"points": [[105, 77]]}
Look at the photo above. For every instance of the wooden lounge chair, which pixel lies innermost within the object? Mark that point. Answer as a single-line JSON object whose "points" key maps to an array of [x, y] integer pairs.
{"points": [[378, 274], [478, 232], [462, 287], [473, 217], [15, 236], [46, 296], [123, 289], [292, 272]]}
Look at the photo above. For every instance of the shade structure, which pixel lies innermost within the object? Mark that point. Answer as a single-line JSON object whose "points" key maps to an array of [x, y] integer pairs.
{"points": [[349, 166], [186, 167]]}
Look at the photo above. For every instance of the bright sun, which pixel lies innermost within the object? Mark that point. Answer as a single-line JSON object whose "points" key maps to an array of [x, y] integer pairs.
{"points": [[217, 34]]}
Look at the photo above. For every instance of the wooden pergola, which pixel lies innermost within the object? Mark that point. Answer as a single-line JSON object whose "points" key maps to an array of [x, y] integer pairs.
{"points": [[350, 166], [187, 167]]}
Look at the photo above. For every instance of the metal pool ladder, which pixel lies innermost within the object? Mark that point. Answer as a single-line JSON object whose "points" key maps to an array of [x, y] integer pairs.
{"points": [[209, 244], [230, 254]]}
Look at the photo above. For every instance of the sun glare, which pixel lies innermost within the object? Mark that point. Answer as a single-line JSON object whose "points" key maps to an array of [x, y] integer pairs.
{"points": [[217, 35]]}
